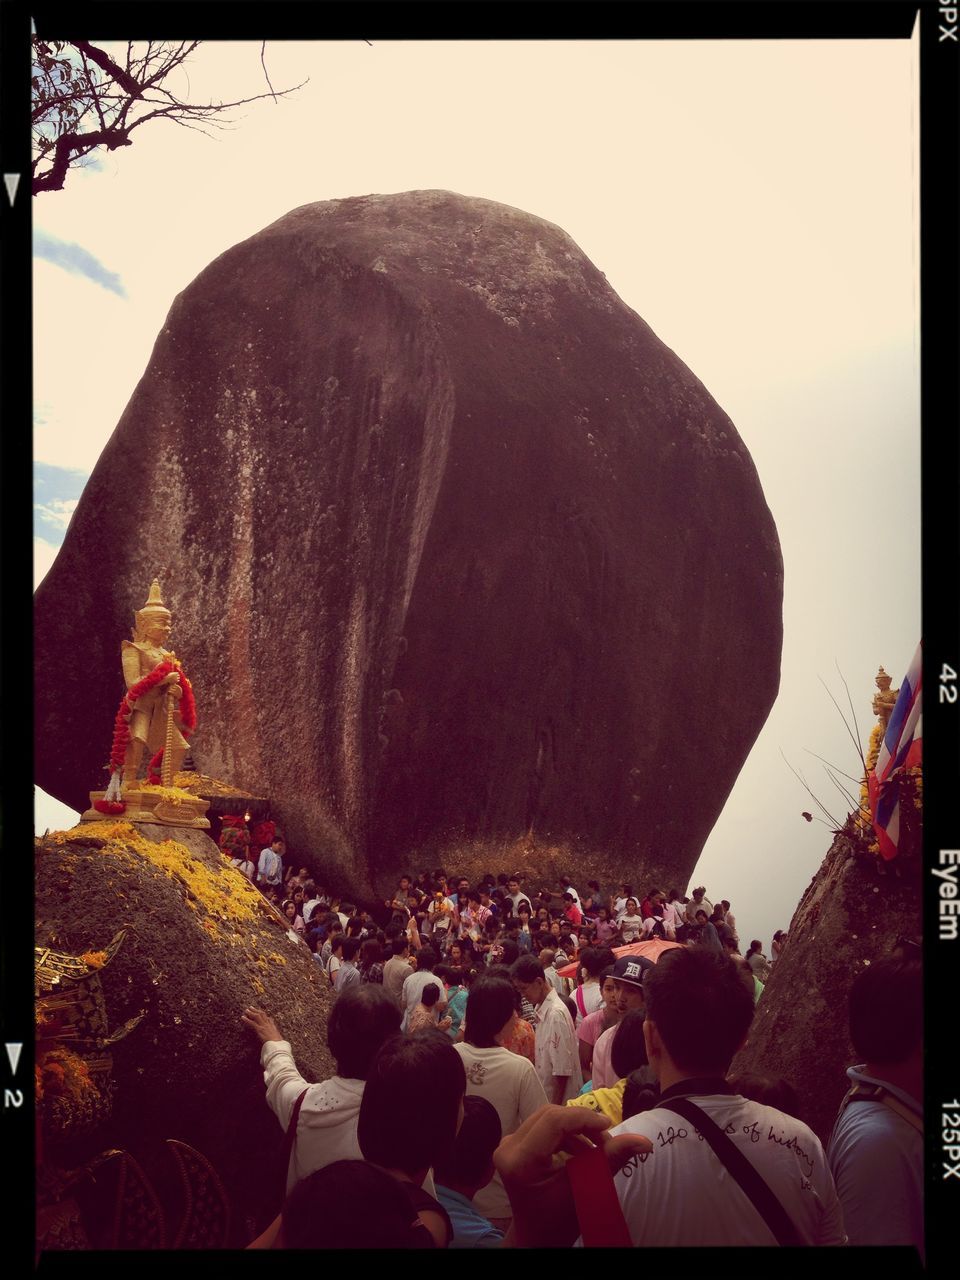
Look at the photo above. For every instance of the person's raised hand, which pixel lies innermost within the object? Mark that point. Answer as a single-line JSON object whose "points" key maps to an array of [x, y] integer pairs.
{"points": [[531, 1163], [262, 1024]]}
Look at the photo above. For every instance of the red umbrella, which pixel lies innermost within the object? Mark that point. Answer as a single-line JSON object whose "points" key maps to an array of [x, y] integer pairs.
{"points": [[653, 949]]}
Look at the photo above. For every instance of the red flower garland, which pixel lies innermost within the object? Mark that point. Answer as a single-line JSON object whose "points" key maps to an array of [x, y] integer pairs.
{"points": [[121, 724]]}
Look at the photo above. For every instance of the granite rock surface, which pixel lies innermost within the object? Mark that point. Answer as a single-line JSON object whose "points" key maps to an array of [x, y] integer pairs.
{"points": [[458, 550]]}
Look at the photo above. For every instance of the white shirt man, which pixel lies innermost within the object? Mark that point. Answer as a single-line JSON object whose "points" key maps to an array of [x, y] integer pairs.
{"points": [[556, 1053], [679, 1193], [245, 866], [696, 904], [514, 896]]}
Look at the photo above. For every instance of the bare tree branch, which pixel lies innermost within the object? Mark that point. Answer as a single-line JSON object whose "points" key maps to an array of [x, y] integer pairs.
{"points": [[107, 64], [800, 778], [69, 93], [854, 715], [844, 719], [832, 766], [264, 65]]}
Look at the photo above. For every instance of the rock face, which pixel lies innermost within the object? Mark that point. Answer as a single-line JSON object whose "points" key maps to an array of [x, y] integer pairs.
{"points": [[848, 918], [200, 946], [456, 548]]}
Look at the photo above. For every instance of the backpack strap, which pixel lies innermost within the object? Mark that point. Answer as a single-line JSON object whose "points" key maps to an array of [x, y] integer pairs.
{"points": [[763, 1199], [864, 1092], [580, 1004], [289, 1138]]}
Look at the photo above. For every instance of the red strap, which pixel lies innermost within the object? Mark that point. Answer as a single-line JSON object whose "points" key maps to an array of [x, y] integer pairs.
{"points": [[602, 1224], [583, 1011]]}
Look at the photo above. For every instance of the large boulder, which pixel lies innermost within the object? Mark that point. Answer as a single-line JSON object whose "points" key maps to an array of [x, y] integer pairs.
{"points": [[458, 550], [200, 945]]}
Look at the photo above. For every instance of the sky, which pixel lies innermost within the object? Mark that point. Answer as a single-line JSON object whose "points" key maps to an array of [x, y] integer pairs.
{"points": [[755, 202]]}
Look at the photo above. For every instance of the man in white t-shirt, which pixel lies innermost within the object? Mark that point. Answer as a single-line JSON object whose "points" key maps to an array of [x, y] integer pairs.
{"points": [[557, 1055], [698, 902], [699, 1009], [515, 896], [672, 1187]]}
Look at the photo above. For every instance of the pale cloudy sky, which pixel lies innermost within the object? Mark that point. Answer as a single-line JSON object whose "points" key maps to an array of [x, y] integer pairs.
{"points": [[755, 202]]}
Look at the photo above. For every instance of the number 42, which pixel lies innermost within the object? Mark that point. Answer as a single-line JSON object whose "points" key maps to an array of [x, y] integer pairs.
{"points": [[948, 685]]}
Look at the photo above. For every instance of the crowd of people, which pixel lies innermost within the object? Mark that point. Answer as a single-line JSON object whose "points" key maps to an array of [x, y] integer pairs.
{"points": [[466, 1063]]}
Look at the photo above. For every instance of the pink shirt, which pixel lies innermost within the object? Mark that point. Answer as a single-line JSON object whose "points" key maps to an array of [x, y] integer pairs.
{"points": [[602, 1072], [591, 1028]]}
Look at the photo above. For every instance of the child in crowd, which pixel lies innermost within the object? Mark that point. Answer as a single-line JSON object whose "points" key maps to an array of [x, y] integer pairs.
{"points": [[426, 1015]]}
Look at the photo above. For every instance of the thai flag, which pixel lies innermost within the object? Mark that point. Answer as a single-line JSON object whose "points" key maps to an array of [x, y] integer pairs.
{"points": [[902, 748]]}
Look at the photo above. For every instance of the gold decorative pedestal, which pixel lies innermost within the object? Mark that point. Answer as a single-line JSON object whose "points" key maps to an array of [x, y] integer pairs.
{"points": [[153, 806]]}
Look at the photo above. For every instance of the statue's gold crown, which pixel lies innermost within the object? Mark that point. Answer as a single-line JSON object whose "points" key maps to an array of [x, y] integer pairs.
{"points": [[883, 681], [154, 606]]}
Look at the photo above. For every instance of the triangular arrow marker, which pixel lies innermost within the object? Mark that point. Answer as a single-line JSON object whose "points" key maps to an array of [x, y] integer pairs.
{"points": [[11, 181], [13, 1053]]}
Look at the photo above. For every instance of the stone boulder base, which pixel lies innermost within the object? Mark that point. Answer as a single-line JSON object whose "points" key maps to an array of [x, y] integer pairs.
{"points": [[848, 918], [201, 945], [457, 550]]}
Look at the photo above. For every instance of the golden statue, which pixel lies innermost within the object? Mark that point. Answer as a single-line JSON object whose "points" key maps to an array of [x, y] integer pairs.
{"points": [[156, 711], [885, 700]]}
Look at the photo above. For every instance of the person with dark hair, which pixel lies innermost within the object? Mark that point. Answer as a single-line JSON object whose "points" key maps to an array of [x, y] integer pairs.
{"points": [[698, 902], [371, 961], [508, 1081], [517, 1035], [515, 896], [466, 1171], [778, 1092], [594, 1024], [757, 960], [557, 1057], [348, 975], [631, 921], [876, 1148], [336, 940], [618, 902], [587, 996], [458, 990], [707, 937], [628, 976], [571, 909], [397, 969], [629, 1054], [698, 1012], [373, 1211], [411, 1110], [359, 1023], [413, 985], [426, 1015]]}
